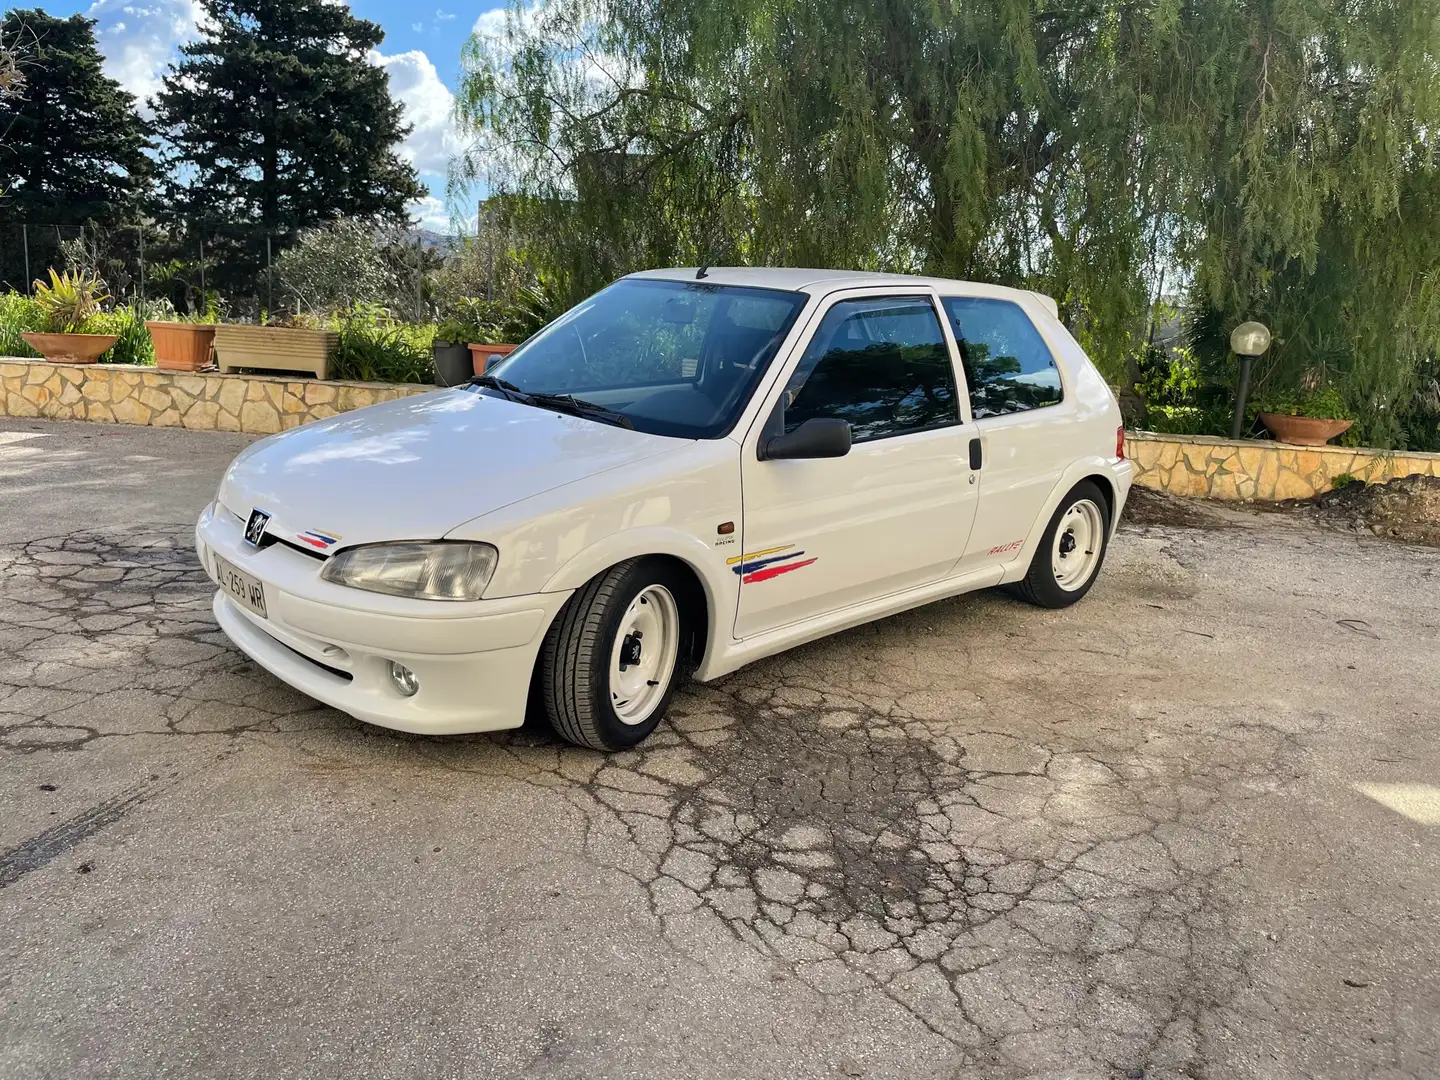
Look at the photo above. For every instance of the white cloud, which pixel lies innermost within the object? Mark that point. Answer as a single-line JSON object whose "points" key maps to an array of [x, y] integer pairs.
{"points": [[416, 84], [443, 16], [431, 213], [417, 26], [138, 38]]}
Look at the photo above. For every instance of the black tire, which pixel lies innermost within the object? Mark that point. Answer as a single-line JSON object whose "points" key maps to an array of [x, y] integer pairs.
{"points": [[1039, 586], [574, 672]]}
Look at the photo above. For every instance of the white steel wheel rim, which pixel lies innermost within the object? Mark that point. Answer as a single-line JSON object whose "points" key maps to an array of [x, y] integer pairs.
{"points": [[1079, 540], [642, 659]]}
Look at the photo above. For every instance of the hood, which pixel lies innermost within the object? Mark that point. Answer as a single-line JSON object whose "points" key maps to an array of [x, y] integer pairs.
{"points": [[415, 468]]}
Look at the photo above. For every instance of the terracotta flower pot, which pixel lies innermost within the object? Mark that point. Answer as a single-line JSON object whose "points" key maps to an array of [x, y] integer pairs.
{"points": [[182, 346], [482, 356], [71, 348], [1303, 430]]}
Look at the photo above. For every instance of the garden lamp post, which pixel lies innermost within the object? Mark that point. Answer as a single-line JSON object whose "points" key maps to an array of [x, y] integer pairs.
{"points": [[1247, 341]]}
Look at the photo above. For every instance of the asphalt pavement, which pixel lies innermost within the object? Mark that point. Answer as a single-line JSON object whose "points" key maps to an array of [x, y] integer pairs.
{"points": [[1189, 828]]}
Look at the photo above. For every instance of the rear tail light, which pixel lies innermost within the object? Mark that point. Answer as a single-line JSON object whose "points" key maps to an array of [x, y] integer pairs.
{"points": [[1120, 442]]}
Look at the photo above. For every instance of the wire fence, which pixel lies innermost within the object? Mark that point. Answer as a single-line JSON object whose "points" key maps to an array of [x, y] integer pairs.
{"points": [[194, 266]]}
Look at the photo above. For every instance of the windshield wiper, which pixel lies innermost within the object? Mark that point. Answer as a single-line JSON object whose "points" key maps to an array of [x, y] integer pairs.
{"points": [[507, 390], [567, 403], [580, 407]]}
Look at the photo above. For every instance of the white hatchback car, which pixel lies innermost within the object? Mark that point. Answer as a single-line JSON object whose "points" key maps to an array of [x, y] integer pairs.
{"points": [[687, 472]]}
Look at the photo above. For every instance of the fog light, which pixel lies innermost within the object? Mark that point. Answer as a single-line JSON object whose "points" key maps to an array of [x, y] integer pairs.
{"points": [[403, 679]]}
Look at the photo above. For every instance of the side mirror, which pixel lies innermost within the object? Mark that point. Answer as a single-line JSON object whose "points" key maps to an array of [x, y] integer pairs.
{"points": [[817, 438]]}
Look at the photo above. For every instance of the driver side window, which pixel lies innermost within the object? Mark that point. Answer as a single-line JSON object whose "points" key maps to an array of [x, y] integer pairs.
{"points": [[880, 364]]}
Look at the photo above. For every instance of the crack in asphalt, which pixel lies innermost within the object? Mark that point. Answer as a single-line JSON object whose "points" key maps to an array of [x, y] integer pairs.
{"points": [[1054, 897]]}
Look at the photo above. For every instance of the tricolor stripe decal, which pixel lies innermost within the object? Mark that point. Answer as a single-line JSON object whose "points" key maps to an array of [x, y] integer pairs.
{"points": [[323, 541], [767, 563]]}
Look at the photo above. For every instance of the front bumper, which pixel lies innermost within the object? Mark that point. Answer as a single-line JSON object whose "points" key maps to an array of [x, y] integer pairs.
{"points": [[473, 660]]}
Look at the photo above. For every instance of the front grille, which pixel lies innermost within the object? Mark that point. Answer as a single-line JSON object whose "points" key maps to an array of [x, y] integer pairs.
{"points": [[269, 538]]}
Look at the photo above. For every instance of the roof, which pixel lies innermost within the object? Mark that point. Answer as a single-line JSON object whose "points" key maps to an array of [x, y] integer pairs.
{"points": [[800, 279]]}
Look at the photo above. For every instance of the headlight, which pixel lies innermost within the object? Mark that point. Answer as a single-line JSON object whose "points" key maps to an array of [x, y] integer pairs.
{"points": [[424, 571]]}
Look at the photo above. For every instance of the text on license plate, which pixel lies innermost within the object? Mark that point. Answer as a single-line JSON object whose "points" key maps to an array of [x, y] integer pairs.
{"points": [[241, 587]]}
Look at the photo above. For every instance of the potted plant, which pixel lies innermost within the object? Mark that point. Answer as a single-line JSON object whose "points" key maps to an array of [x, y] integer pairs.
{"points": [[1313, 420], [66, 305], [453, 366], [471, 318], [183, 343]]}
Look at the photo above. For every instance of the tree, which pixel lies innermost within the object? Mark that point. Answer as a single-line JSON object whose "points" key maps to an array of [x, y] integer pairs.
{"points": [[275, 118], [73, 146], [1279, 154], [11, 77]]}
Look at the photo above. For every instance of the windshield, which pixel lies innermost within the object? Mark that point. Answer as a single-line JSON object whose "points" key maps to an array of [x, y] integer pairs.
{"points": [[676, 358]]}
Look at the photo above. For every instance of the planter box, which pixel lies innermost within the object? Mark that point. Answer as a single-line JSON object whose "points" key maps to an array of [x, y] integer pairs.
{"points": [[482, 356], [71, 348], [274, 348], [182, 346]]}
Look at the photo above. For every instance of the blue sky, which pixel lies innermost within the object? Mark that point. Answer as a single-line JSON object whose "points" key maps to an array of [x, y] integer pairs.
{"points": [[421, 52]]}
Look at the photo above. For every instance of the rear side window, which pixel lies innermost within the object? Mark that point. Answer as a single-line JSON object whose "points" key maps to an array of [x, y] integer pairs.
{"points": [[1007, 363], [880, 364]]}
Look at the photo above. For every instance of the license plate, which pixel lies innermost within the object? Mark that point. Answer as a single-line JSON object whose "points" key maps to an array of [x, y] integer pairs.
{"points": [[241, 587]]}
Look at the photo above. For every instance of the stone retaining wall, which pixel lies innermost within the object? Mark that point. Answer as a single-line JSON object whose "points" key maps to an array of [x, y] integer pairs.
{"points": [[1260, 469], [125, 394], [262, 405]]}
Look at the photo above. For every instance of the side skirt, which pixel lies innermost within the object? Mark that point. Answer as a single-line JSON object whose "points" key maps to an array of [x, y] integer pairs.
{"points": [[778, 640]]}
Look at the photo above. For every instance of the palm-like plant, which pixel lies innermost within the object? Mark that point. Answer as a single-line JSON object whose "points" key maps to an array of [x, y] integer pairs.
{"points": [[69, 300]]}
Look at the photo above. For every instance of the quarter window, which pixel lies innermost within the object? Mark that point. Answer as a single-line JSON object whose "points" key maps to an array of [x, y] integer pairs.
{"points": [[880, 364], [1007, 363]]}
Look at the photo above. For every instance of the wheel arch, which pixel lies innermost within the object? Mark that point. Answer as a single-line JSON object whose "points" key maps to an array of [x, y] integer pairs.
{"points": [[1096, 469], [689, 555]]}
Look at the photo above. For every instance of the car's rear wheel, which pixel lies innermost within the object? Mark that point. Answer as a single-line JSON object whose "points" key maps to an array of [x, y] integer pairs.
{"points": [[614, 655], [1072, 550]]}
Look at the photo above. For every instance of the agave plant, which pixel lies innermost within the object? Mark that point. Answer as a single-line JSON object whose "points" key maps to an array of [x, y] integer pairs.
{"points": [[68, 301]]}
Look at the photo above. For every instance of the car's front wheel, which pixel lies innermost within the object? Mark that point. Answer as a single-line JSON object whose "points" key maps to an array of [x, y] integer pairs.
{"points": [[1071, 551], [614, 655]]}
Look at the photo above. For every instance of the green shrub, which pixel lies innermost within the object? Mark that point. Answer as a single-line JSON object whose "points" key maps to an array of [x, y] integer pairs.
{"points": [[374, 347], [135, 345], [19, 314]]}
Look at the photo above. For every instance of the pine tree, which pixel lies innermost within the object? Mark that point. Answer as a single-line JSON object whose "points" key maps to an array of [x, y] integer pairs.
{"points": [[276, 118], [72, 147]]}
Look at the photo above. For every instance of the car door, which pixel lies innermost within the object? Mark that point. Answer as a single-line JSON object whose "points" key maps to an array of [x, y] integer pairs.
{"points": [[1016, 397], [893, 513]]}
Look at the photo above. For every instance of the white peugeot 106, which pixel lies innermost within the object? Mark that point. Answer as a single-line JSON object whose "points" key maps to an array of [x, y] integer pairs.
{"points": [[687, 472]]}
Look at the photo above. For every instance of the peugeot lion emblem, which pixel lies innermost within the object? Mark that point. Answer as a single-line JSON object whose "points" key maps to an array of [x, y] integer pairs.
{"points": [[255, 527]]}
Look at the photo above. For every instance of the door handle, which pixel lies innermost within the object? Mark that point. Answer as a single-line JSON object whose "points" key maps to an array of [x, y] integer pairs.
{"points": [[976, 458]]}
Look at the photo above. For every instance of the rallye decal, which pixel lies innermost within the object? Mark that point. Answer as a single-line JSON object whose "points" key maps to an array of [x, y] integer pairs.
{"points": [[322, 540], [768, 563]]}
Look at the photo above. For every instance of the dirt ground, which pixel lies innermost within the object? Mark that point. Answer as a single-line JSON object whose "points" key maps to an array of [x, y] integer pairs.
{"points": [[1189, 828]]}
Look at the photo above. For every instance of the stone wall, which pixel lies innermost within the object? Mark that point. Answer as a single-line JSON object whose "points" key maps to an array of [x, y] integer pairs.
{"points": [[124, 394], [1260, 469], [262, 405]]}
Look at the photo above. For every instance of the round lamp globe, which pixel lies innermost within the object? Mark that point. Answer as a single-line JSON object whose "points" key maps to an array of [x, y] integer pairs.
{"points": [[1249, 339]]}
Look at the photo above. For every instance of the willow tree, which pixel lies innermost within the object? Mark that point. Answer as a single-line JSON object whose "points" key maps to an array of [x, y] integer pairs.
{"points": [[1315, 191], [1092, 151]]}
